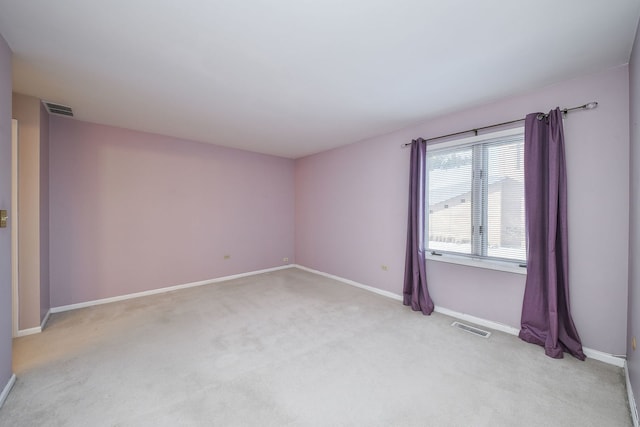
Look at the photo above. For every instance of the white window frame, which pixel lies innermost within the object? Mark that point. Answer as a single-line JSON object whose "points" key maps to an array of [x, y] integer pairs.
{"points": [[472, 260]]}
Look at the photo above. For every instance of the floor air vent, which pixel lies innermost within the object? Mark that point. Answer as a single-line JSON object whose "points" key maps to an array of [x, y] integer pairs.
{"points": [[472, 330], [61, 110]]}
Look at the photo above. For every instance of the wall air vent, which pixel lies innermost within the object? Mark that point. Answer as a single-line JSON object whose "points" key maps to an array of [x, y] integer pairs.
{"points": [[472, 330], [61, 110]]}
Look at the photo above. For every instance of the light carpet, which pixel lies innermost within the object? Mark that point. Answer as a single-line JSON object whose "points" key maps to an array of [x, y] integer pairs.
{"points": [[291, 348]]}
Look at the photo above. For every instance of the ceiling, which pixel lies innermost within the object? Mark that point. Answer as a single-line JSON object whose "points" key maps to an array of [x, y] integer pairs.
{"points": [[296, 77]]}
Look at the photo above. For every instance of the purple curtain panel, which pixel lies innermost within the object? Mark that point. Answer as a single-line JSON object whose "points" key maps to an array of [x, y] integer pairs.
{"points": [[546, 318], [415, 291]]}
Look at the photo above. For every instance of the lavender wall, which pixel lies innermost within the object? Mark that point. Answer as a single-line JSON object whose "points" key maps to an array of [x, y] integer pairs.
{"points": [[633, 326], [5, 203], [351, 211], [132, 211]]}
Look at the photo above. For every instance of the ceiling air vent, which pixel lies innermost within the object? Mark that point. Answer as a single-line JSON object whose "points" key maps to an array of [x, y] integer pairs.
{"points": [[61, 110]]}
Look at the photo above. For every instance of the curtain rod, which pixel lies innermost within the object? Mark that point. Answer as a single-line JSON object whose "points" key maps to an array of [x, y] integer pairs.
{"points": [[587, 106]]}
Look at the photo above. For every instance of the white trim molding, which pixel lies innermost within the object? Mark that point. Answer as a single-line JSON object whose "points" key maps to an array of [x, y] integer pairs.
{"points": [[15, 305], [604, 357], [29, 331], [589, 352], [593, 354], [632, 401], [62, 308], [35, 330], [488, 264], [352, 283], [7, 388], [496, 326], [45, 320]]}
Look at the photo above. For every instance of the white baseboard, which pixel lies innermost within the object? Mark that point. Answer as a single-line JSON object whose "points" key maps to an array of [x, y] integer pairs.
{"points": [[632, 401], [496, 326], [593, 354], [45, 320], [352, 283], [36, 330], [604, 357], [162, 290], [7, 389], [30, 331], [589, 352]]}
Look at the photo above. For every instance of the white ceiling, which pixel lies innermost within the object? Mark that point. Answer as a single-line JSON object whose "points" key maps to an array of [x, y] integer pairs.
{"points": [[295, 77]]}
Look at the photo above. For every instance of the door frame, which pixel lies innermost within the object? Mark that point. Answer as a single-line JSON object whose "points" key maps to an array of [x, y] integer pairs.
{"points": [[14, 228]]}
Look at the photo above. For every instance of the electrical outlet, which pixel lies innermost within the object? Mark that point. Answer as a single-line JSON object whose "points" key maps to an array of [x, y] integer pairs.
{"points": [[384, 267], [285, 259], [227, 256]]}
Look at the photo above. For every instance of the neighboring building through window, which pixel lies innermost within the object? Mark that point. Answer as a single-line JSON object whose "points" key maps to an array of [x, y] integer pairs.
{"points": [[475, 195]]}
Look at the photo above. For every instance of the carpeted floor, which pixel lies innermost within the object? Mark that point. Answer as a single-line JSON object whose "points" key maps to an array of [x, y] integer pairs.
{"points": [[291, 348]]}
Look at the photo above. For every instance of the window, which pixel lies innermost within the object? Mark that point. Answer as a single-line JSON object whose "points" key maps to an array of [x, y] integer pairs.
{"points": [[476, 197]]}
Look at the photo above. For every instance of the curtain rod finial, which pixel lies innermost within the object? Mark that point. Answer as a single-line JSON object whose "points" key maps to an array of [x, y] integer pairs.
{"points": [[590, 105]]}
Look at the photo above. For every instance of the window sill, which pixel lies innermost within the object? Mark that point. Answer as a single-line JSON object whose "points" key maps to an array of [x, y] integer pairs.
{"points": [[478, 263]]}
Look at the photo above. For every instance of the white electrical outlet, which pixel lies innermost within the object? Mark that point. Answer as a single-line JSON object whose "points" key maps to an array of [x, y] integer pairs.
{"points": [[285, 259]]}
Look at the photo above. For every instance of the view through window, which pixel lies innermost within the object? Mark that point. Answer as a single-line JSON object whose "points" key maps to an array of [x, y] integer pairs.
{"points": [[476, 197]]}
